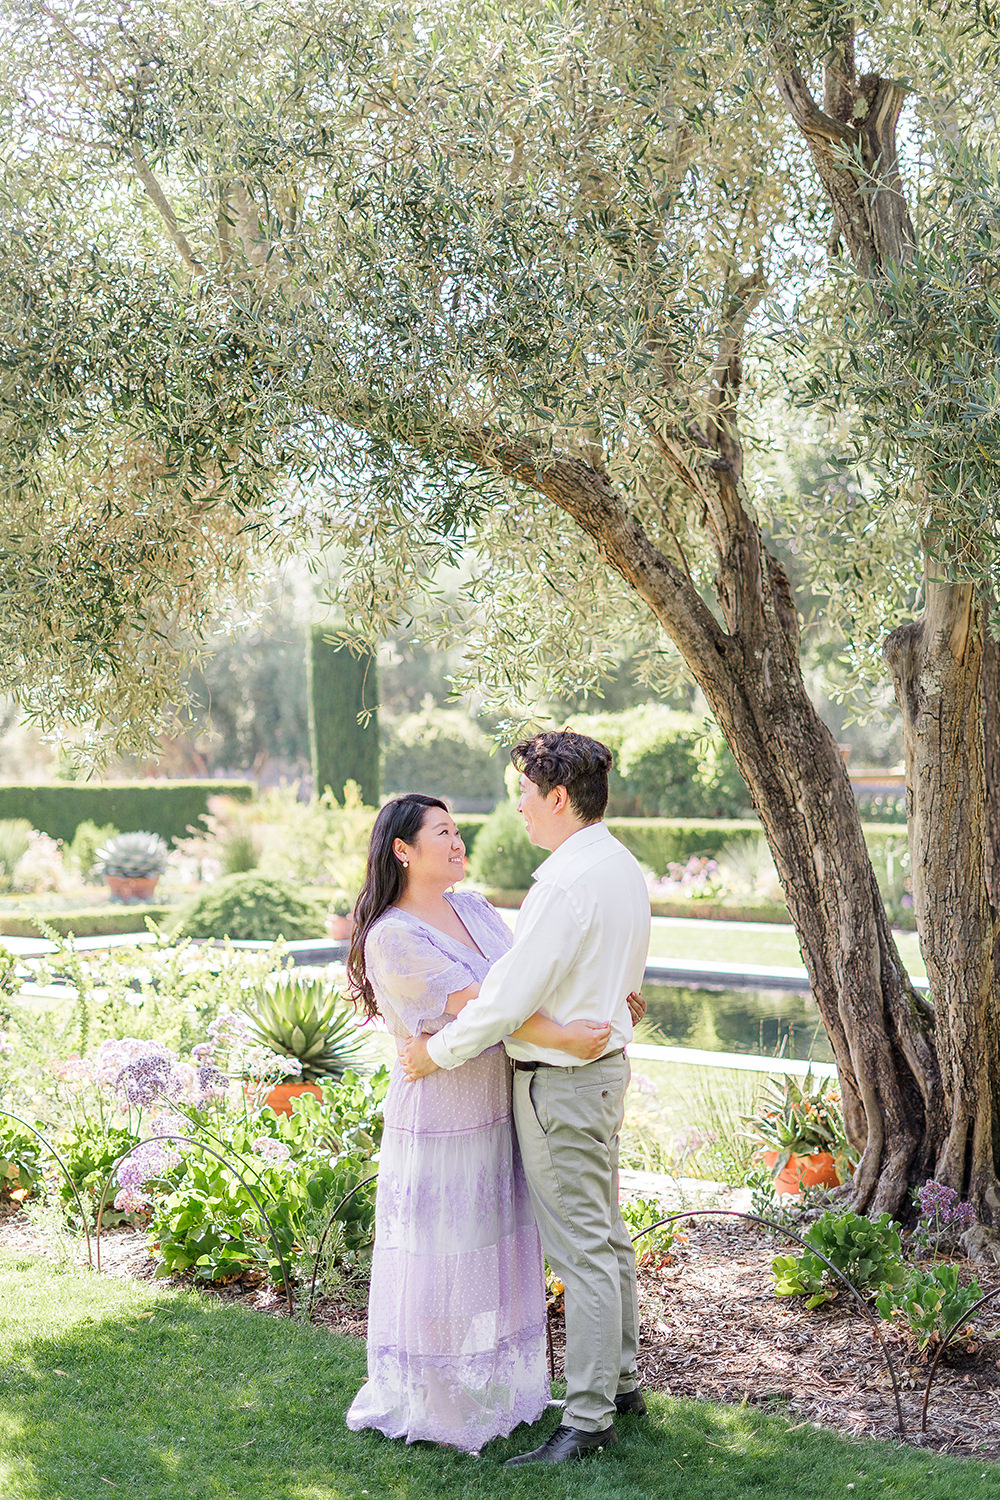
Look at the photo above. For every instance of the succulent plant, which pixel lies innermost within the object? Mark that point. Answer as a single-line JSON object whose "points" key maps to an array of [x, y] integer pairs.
{"points": [[132, 856], [310, 1020]]}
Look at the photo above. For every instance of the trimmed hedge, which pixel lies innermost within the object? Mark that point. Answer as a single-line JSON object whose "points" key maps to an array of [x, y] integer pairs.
{"points": [[88, 921], [341, 686], [659, 842], [168, 808]]}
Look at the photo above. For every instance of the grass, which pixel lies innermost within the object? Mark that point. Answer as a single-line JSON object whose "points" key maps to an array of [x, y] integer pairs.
{"points": [[109, 1386], [752, 943], [771, 944]]}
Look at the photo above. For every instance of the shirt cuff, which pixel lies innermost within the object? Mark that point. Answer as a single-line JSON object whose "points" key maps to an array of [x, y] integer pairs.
{"points": [[439, 1052]]}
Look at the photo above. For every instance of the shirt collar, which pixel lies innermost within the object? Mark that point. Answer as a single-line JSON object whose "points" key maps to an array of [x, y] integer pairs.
{"points": [[571, 849]]}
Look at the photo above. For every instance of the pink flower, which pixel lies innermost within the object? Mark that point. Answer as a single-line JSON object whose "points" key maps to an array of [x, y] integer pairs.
{"points": [[275, 1153], [70, 1069], [131, 1201]]}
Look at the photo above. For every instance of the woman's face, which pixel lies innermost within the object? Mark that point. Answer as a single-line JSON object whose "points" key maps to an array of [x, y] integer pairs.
{"points": [[437, 854]]}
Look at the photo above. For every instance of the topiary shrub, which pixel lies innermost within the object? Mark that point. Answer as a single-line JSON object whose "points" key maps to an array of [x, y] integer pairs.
{"points": [[15, 837], [250, 907], [504, 856], [341, 687], [168, 808]]}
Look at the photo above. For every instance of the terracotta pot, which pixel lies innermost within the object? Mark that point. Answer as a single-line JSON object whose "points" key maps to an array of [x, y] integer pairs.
{"points": [[339, 928], [129, 889], [279, 1098], [817, 1169]]}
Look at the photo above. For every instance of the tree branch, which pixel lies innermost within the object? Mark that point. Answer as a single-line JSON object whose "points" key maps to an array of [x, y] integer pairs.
{"points": [[816, 125], [588, 497], [159, 199]]}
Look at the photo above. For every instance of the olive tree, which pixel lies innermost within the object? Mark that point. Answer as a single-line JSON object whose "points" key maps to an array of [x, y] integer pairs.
{"points": [[461, 277]]}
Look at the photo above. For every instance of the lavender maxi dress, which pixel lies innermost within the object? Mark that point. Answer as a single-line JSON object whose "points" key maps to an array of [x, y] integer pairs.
{"points": [[456, 1312]]}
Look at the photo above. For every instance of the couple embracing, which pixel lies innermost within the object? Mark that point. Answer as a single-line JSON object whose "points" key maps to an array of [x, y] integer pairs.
{"points": [[456, 1331]]}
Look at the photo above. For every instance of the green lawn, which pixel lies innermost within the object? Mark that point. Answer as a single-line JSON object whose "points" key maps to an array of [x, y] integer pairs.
{"points": [[112, 1386], [765, 943], [771, 944]]}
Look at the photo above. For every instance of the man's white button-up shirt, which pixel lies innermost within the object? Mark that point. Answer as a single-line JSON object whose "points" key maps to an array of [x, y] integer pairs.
{"points": [[580, 946]]}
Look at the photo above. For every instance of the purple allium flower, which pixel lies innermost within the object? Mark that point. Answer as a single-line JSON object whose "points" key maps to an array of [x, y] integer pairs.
{"points": [[942, 1205], [112, 1056], [143, 1081], [151, 1159], [212, 1083], [202, 1052]]}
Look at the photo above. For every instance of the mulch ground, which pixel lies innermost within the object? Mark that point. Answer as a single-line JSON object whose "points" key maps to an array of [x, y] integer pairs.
{"points": [[712, 1328]]}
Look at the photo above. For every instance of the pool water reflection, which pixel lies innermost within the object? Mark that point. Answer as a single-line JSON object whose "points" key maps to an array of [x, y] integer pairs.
{"points": [[767, 1023]]}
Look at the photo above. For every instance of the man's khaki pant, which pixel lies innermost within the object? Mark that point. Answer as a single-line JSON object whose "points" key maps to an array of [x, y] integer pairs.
{"points": [[567, 1122]]}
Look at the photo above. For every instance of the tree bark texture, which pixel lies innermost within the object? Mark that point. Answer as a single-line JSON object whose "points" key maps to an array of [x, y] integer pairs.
{"points": [[947, 687], [937, 665]]}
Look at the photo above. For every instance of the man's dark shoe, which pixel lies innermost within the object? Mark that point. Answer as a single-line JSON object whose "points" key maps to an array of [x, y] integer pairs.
{"points": [[564, 1444], [630, 1404]]}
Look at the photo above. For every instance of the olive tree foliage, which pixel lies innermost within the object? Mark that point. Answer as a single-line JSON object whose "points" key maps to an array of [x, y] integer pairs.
{"points": [[532, 281], [125, 533], [386, 234]]}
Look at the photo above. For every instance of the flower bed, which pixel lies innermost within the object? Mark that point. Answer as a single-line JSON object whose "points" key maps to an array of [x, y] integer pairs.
{"points": [[132, 1109]]}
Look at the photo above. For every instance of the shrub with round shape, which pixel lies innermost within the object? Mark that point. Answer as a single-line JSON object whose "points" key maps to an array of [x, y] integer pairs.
{"points": [[249, 906]]}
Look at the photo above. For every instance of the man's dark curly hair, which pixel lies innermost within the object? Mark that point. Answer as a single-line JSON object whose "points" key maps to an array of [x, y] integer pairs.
{"points": [[561, 757]]}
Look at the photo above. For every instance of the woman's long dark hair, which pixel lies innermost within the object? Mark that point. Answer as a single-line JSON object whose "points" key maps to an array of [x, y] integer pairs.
{"points": [[385, 882]]}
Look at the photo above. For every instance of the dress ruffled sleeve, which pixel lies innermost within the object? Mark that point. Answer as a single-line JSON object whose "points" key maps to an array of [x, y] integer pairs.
{"points": [[413, 976]]}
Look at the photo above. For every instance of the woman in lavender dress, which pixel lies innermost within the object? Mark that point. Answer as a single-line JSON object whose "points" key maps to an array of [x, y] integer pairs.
{"points": [[456, 1314]]}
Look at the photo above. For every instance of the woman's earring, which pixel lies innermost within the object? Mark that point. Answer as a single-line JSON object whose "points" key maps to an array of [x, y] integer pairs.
{"points": [[405, 863]]}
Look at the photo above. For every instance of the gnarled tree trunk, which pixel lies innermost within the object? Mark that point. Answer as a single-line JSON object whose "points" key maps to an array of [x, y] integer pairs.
{"points": [[937, 668]]}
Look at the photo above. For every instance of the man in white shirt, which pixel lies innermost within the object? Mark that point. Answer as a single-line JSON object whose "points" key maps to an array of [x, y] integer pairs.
{"points": [[580, 946]]}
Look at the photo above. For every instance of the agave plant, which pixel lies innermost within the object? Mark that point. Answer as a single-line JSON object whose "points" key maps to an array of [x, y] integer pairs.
{"points": [[310, 1020], [132, 856]]}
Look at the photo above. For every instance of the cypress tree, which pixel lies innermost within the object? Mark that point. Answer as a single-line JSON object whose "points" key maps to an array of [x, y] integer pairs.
{"points": [[342, 686]]}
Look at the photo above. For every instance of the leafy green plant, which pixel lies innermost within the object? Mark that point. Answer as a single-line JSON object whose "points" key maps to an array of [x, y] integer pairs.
{"points": [[866, 1251], [88, 840], [90, 1151], [308, 1019], [300, 1167], [930, 1303], [655, 1247], [239, 852], [667, 763], [249, 906], [20, 1155], [503, 855]]}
